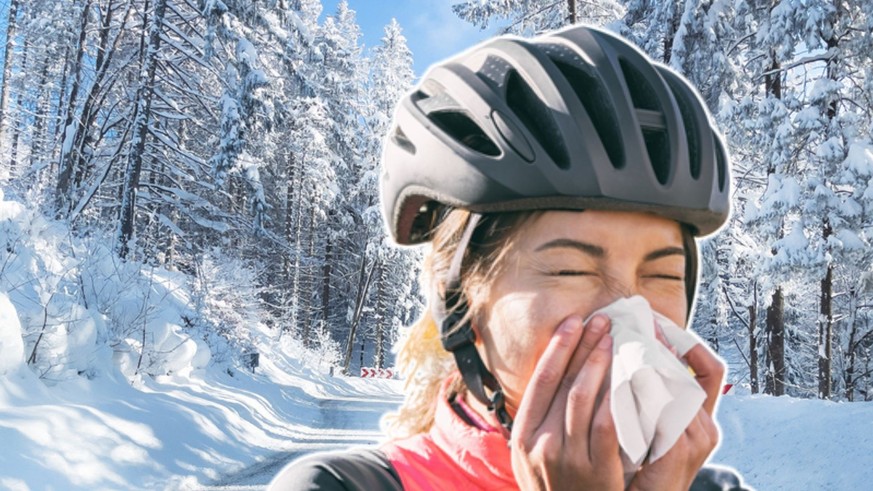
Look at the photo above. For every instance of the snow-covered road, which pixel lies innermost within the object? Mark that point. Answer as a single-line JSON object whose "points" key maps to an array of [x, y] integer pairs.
{"points": [[339, 423]]}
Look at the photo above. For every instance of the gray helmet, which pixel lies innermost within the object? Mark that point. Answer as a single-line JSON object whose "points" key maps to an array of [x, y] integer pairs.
{"points": [[575, 119]]}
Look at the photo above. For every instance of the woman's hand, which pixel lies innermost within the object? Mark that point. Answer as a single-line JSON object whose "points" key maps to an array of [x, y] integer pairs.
{"points": [[563, 436], [678, 467]]}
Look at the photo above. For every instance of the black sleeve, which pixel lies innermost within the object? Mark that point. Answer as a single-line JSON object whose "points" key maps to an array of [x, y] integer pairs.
{"points": [[351, 470], [718, 479]]}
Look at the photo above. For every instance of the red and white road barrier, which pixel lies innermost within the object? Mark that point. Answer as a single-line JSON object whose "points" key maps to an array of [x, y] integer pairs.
{"points": [[367, 372]]}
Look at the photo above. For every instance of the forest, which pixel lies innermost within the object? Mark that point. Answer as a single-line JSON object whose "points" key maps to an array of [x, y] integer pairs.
{"points": [[237, 142]]}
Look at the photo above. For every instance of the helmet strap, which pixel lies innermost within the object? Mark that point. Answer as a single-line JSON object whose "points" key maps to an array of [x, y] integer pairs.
{"points": [[458, 337]]}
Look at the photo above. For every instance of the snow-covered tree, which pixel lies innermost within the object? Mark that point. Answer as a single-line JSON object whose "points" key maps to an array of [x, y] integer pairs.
{"points": [[390, 271], [529, 17]]}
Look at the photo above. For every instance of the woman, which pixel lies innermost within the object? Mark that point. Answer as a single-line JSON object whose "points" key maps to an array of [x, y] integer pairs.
{"points": [[552, 176]]}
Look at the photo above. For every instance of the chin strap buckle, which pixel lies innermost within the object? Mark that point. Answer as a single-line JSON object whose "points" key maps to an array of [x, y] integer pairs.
{"points": [[498, 406]]}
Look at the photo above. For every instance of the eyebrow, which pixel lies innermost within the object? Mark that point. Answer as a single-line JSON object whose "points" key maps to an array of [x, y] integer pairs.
{"points": [[590, 249], [599, 252]]}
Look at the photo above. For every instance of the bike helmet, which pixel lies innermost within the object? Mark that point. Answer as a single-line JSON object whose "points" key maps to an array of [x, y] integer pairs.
{"points": [[576, 119]]}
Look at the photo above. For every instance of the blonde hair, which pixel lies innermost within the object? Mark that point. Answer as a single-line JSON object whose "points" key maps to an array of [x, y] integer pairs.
{"points": [[421, 359]]}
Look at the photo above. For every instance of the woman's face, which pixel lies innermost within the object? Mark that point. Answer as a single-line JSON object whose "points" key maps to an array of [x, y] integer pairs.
{"points": [[565, 263]]}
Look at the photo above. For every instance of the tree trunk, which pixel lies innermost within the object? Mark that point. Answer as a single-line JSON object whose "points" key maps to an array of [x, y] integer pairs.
{"points": [[775, 323], [825, 326], [11, 34], [753, 349], [325, 278], [825, 322], [670, 36], [16, 121], [291, 231], [298, 253], [382, 317], [571, 9], [63, 199], [127, 213], [82, 139], [43, 103], [776, 345], [309, 283], [364, 279], [58, 119], [773, 78], [849, 373]]}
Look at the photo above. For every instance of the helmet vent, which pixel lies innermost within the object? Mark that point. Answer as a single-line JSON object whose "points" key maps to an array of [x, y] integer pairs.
{"points": [[641, 91], [720, 164], [688, 120], [461, 127], [399, 138], [593, 96], [658, 147], [536, 117]]}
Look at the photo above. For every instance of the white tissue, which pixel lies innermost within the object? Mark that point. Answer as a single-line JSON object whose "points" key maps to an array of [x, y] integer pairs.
{"points": [[653, 395]]}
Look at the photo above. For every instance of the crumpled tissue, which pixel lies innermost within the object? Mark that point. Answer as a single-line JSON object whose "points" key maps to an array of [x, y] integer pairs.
{"points": [[653, 395]]}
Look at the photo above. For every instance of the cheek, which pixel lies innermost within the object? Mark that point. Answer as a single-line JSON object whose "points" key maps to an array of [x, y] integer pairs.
{"points": [[515, 332], [673, 305], [513, 327]]}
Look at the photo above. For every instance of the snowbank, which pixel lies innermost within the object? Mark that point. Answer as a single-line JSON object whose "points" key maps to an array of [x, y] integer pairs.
{"points": [[112, 375], [11, 345], [167, 432], [780, 443]]}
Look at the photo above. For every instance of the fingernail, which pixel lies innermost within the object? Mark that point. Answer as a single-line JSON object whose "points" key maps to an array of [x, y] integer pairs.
{"points": [[598, 324], [573, 323], [605, 342]]}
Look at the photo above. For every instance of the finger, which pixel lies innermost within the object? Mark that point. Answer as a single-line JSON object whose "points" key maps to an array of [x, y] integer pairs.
{"points": [[547, 376], [592, 334], [604, 439], [594, 331], [582, 397], [709, 372], [705, 430], [701, 436]]}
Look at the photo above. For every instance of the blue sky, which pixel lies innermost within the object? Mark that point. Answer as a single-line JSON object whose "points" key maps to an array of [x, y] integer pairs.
{"points": [[432, 30]]}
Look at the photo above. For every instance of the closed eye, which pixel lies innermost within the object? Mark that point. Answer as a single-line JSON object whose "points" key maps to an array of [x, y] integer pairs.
{"points": [[666, 277], [570, 272]]}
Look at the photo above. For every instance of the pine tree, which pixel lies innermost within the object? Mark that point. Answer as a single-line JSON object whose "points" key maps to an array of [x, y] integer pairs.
{"points": [[830, 127], [383, 266], [341, 83]]}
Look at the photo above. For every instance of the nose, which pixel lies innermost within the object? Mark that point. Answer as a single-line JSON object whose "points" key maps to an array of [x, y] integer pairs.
{"points": [[617, 285]]}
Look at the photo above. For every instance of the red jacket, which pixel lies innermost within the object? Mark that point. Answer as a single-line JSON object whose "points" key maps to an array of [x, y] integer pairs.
{"points": [[453, 454]]}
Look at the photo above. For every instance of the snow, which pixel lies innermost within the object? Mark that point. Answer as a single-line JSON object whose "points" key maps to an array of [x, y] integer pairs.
{"points": [[125, 391], [90, 413], [860, 159], [246, 52], [849, 240], [105, 433], [11, 345], [783, 443], [784, 192]]}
